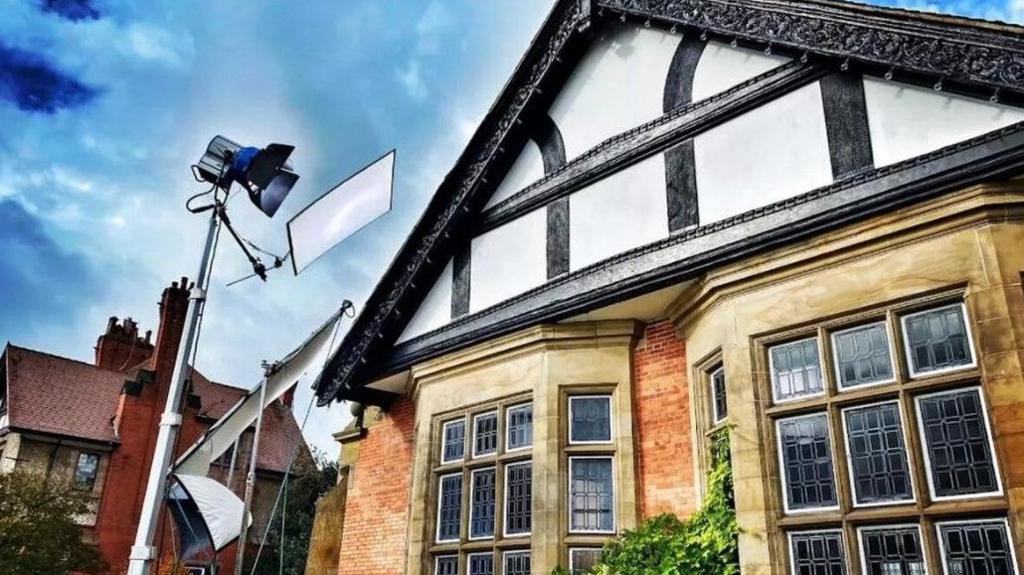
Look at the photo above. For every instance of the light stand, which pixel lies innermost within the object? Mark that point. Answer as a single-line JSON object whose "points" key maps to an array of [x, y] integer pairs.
{"points": [[143, 552], [268, 179]]}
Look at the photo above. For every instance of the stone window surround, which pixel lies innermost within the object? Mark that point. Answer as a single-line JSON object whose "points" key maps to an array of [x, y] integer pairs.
{"points": [[562, 359], [499, 460], [923, 510]]}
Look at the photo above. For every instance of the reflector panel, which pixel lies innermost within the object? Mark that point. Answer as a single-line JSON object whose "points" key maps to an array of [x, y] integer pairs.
{"points": [[341, 212]]}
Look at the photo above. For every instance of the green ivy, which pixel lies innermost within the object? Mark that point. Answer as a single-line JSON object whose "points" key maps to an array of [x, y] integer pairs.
{"points": [[705, 543]]}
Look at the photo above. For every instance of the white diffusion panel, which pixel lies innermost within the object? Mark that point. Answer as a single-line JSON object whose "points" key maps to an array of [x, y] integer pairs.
{"points": [[508, 260], [766, 155], [619, 84], [527, 169], [436, 309], [908, 121], [721, 67], [625, 210], [341, 212]]}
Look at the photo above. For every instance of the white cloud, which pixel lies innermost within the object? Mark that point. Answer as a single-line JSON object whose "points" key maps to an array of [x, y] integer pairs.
{"points": [[153, 43], [410, 78]]}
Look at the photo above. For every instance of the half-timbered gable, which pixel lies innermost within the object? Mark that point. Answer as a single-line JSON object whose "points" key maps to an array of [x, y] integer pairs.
{"points": [[673, 212]]}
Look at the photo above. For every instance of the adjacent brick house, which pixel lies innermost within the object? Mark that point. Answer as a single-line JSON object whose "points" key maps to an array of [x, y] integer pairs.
{"points": [[95, 424], [798, 223]]}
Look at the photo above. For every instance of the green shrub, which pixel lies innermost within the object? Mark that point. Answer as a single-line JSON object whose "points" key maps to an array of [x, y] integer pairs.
{"points": [[705, 543]]}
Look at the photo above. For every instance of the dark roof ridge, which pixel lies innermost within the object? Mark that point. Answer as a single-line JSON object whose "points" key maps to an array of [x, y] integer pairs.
{"points": [[11, 345]]}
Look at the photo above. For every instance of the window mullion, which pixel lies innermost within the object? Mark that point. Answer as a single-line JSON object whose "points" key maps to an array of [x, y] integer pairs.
{"points": [[840, 460]]}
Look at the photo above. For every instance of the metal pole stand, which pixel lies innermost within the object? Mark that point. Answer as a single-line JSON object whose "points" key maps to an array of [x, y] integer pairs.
{"points": [[143, 552]]}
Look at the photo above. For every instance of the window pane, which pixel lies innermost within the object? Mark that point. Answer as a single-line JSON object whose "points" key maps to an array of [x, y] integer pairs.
{"points": [[718, 402], [878, 456], [796, 371], [454, 441], [590, 419], [481, 564], [485, 430], [957, 444], [892, 551], [447, 565], [449, 514], [520, 426], [807, 462], [817, 553], [583, 560], [86, 469], [937, 339], [862, 356], [481, 516], [590, 494], [518, 498], [979, 548], [517, 563]]}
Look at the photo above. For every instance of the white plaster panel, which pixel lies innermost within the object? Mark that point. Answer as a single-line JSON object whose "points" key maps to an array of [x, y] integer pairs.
{"points": [[619, 84], [508, 260], [908, 121], [436, 309], [625, 210], [766, 155], [721, 67], [527, 169]]}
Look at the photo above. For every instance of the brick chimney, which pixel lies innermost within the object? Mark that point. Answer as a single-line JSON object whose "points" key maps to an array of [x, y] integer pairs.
{"points": [[120, 348], [173, 306]]}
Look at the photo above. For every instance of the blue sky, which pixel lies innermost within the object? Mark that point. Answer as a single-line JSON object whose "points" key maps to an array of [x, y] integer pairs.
{"points": [[105, 103]]}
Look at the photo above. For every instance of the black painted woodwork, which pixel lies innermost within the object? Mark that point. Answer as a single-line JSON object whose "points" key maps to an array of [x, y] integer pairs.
{"points": [[954, 50], [846, 122]]}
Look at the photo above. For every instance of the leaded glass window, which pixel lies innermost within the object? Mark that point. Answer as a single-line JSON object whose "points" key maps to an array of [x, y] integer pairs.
{"points": [[817, 553], [937, 340], [485, 433], [520, 427], [809, 480], [582, 560], [862, 356], [590, 419], [86, 470], [591, 495], [957, 445], [481, 564], [976, 548], [517, 563], [518, 498], [481, 513], [449, 507], [796, 370], [447, 565], [718, 403], [453, 442], [879, 469], [892, 550]]}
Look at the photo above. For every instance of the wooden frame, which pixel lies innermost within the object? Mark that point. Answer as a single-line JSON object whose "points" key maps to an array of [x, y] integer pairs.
{"points": [[467, 468], [922, 510]]}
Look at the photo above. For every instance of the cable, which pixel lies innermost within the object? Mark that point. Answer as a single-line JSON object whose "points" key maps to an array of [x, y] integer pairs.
{"points": [[295, 453]]}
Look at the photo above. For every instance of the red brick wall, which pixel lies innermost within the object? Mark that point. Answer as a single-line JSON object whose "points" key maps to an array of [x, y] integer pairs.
{"points": [[376, 514], [662, 404]]}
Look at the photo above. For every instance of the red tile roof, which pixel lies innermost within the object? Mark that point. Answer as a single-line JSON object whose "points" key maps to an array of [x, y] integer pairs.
{"points": [[61, 396], [52, 394]]}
